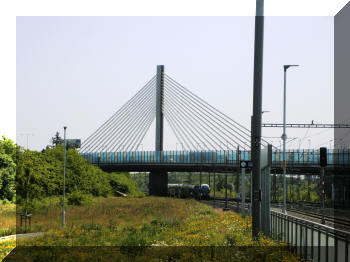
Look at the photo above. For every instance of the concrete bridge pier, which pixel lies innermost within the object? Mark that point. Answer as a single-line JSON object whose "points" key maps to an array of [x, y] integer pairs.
{"points": [[158, 183]]}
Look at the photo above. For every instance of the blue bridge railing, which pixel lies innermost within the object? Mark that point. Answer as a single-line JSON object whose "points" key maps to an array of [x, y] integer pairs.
{"points": [[227, 157]]}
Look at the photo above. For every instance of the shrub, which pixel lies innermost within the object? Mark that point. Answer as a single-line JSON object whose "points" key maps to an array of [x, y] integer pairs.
{"points": [[78, 198], [123, 183]]}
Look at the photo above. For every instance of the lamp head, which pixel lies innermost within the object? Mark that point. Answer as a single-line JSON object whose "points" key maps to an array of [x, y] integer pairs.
{"points": [[287, 66]]}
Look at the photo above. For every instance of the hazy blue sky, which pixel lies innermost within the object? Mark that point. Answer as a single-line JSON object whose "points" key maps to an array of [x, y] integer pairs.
{"points": [[77, 71]]}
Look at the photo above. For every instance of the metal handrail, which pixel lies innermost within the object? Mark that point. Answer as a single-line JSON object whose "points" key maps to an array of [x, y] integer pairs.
{"points": [[323, 228]]}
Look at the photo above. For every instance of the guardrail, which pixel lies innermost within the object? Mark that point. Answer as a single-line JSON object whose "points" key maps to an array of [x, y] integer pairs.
{"points": [[230, 157], [311, 240]]}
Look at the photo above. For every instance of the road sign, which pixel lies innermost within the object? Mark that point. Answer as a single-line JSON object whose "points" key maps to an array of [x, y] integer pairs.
{"points": [[246, 164]]}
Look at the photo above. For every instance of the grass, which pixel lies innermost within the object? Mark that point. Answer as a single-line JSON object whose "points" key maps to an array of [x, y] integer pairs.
{"points": [[6, 247], [7, 227], [108, 212], [7, 218], [151, 223]]}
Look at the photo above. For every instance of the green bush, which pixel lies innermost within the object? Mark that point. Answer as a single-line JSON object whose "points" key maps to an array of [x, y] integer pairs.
{"points": [[123, 183], [78, 198]]}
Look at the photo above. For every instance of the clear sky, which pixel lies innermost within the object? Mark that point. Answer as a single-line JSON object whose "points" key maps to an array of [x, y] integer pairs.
{"points": [[77, 71]]}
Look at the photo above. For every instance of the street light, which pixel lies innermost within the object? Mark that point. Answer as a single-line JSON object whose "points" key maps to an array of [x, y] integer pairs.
{"points": [[284, 138], [64, 178]]}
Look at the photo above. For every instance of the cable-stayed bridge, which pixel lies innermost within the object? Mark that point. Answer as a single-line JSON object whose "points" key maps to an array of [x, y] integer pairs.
{"points": [[210, 140], [196, 124]]}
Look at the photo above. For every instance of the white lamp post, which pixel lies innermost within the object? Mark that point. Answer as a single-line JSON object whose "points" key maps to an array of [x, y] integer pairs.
{"points": [[284, 138]]}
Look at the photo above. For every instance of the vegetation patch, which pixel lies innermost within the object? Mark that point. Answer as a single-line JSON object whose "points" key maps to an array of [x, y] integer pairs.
{"points": [[169, 223]]}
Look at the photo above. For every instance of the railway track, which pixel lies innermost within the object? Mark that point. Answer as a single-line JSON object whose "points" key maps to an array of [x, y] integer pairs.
{"points": [[333, 221]]}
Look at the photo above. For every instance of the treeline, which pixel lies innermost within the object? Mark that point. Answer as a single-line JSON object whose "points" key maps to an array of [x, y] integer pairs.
{"points": [[40, 175]]}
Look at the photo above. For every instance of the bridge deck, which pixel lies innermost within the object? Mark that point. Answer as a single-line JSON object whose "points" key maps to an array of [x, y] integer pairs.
{"points": [[225, 160]]}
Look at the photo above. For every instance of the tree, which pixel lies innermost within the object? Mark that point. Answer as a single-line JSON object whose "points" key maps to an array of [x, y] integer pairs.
{"points": [[56, 140], [8, 151]]}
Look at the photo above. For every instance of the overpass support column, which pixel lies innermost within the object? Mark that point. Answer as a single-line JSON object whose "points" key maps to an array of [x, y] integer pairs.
{"points": [[158, 181]]}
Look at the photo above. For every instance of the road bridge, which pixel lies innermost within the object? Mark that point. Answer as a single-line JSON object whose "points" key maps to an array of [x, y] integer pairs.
{"points": [[298, 161], [211, 141]]}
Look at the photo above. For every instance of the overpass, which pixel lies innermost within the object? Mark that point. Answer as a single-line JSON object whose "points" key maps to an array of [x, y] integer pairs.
{"points": [[298, 161], [211, 141]]}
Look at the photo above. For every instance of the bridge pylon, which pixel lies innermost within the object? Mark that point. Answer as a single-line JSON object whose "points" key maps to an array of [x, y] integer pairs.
{"points": [[158, 181]]}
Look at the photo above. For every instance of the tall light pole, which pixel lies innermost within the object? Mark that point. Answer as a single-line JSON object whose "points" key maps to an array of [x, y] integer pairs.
{"points": [[256, 119], [64, 179], [284, 138]]}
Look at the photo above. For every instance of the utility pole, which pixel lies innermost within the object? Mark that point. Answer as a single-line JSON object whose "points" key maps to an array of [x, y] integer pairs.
{"points": [[64, 178], [256, 120], [200, 184], [226, 207], [243, 190], [214, 189], [284, 138]]}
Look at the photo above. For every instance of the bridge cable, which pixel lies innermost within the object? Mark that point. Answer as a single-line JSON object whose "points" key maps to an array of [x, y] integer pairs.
{"points": [[128, 130], [135, 113], [124, 121], [213, 114], [144, 132], [147, 121], [198, 115], [111, 131], [179, 130], [208, 106], [198, 124], [214, 120], [183, 130], [105, 137], [176, 132], [186, 126], [194, 129], [86, 142], [103, 128], [143, 126]]}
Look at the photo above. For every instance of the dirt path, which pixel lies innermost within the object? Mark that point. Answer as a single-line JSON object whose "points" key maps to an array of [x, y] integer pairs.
{"points": [[19, 236]]}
